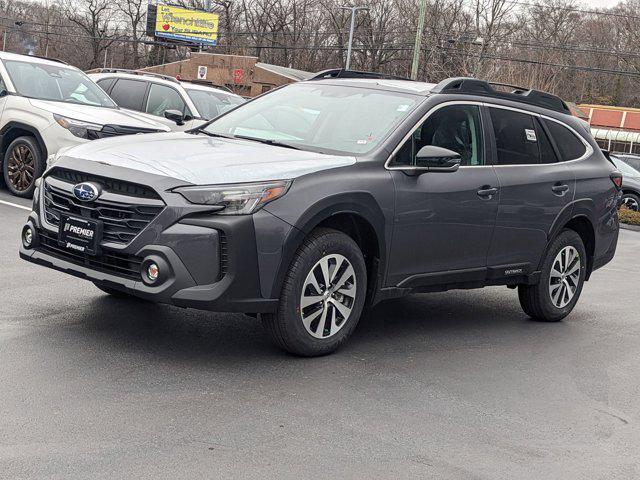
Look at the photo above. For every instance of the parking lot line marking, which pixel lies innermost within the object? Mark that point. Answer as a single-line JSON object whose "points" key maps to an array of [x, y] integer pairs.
{"points": [[15, 205]]}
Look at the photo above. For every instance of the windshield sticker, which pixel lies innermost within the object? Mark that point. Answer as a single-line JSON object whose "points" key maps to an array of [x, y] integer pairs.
{"points": [[531, 135], [403, 108], [361, 142]]}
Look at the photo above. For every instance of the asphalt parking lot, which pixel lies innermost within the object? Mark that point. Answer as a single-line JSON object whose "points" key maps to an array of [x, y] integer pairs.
{"points": [[458, 385]]}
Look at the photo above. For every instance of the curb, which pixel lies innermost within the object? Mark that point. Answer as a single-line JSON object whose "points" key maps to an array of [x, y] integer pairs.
{"points": [[635, 228]]}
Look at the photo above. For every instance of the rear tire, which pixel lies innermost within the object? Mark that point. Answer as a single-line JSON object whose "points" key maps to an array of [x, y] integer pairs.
{"points": [[561, 280], [322, 296], [22, 165]]}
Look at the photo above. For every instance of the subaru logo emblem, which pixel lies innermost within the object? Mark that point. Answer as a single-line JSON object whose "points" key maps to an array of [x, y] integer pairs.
{"points": [[86, 191]]}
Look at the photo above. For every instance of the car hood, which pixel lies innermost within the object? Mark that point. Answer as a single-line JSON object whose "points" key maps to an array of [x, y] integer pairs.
{"points": [[203, 160], [101, 115]]}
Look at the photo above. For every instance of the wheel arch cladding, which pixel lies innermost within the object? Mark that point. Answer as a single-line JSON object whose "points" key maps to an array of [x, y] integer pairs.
{"points": [[584, 227], [356, 214], [13, 130]]}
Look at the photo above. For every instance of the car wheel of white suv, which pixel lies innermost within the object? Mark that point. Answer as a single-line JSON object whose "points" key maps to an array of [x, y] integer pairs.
{"points": [[323, 295], [22, 165]]}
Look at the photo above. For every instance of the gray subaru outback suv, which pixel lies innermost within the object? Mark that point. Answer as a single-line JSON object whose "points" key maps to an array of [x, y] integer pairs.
{"points": [[316, 200]]}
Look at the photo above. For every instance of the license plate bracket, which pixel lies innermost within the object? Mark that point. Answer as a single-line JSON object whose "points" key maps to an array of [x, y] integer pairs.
{"points": [[80, 235]]}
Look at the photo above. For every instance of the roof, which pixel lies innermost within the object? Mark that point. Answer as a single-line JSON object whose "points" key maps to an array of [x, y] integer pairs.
{"points": [[150, 76], [407, 86], [34, 59], [290, 73]]}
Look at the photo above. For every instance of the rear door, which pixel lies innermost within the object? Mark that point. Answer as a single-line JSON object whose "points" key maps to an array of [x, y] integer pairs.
{"points": [[535, 189]]}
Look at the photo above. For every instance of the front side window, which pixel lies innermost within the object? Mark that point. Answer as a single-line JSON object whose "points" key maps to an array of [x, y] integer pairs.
{"points": [[210, 104], [520, 139], [163, 98], [456, 127], [53, 82], [129, 93], [570, 147], [319, 117]]}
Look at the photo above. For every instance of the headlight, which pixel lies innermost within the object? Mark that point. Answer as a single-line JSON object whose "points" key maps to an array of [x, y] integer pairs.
{"points": [[79, 128], [237, 199]]}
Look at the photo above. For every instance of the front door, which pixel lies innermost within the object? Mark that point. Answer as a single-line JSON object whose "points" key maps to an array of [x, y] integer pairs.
{"points": [[444, 221]]}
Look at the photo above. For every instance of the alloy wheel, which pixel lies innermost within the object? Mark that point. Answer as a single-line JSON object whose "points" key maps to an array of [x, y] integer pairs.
{"points": [[565, 276], [328, 296], [631, 203], [21, 167]]}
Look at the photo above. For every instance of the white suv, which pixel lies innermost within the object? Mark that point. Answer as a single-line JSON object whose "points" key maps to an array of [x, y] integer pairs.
{"points": [[46, 105], [178, 104]]}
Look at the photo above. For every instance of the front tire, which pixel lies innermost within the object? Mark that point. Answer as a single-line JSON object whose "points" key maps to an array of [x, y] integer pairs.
{"points": [[322, 297], [22, 165], [561, 281]]}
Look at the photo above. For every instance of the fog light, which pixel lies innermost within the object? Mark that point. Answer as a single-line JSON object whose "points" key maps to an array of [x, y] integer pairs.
{"points": [[27, 237], [152, 272]]}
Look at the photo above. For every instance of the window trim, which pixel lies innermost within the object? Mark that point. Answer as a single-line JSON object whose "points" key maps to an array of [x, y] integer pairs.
{"points": [[588, 148]]}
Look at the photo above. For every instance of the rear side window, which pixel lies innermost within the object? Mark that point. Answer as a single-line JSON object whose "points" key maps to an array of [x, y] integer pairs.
{"points": [[520, 139], [129, 93], [568, 144]]}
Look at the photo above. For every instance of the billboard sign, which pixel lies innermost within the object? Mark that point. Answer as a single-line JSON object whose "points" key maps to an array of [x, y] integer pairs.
{"points": [[194, 26]]}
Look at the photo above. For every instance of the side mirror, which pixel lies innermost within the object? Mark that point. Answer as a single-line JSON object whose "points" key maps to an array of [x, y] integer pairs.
{"points": [[436, 159], [174, 115]]}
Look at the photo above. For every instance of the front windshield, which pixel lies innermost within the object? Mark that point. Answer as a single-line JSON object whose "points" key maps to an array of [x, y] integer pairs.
{"points": [[53, 82], [319, 117], [210, 103]]}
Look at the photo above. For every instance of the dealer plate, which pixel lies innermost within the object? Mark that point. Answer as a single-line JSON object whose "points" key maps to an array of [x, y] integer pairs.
{"points": [[79, 234]]}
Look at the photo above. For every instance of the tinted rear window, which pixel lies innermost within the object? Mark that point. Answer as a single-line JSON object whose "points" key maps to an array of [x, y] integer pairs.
{"points": [[570, 146]]}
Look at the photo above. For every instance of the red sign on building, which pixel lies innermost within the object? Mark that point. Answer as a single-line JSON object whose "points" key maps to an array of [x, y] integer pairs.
{"points": [[238, 75]]}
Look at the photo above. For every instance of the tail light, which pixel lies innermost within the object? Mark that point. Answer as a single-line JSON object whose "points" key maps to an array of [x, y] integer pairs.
{"points": [[616, 178]]}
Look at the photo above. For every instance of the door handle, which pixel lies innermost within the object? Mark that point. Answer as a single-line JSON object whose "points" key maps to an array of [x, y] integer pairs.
{"points": [[487, 191], [560, 188]]}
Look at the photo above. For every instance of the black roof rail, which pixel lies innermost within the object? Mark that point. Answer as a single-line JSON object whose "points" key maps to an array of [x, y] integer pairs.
{"points": [[49, 58], [473, 86], [343, 73], [138, 72]]}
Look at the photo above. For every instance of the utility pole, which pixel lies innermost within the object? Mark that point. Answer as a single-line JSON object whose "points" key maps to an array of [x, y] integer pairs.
{"points": [[418, 44], [354, 10], [4, 41]]}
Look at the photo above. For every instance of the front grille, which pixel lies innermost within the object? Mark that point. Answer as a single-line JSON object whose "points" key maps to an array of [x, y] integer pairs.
{"points": [[125, 210], [117, 130], [116, 263]]}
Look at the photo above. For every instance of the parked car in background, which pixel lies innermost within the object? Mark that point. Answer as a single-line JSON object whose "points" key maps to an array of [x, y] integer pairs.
{"points": [[178, 104], [46, 105], [632, 160], [630, 183], [324, 196]]}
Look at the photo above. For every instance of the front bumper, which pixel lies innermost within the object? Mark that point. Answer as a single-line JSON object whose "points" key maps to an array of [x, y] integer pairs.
{"points": [[209, 262]]}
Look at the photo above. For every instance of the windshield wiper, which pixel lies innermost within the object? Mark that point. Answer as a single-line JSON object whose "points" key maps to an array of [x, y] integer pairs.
{"points": [[210, 134], [267, 141]]}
